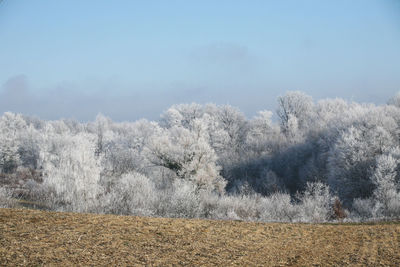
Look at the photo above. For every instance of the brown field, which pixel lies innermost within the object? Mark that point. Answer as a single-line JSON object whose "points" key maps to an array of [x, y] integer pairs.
{"points": [[36, 238]]}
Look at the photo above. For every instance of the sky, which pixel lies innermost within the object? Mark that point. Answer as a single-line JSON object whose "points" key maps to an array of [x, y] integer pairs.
{"points": [[134, 59]]}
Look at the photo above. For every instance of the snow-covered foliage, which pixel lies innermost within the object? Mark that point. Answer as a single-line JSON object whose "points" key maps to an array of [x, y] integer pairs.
{"points": [[321, 161], [72, 170]]}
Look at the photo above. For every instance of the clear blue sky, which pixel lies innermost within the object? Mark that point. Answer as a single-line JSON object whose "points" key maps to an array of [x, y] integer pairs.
{"points": [[132, 59]]}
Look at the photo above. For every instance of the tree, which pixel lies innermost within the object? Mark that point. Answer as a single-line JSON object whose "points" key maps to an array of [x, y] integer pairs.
{"points": [[132, 194], [395, 100], [182, 115], [386, 193], [263, 137], [294, 108], [188, 155], [316, 203], [351, 158], [72, 170], [227, 130], [11, 126]]}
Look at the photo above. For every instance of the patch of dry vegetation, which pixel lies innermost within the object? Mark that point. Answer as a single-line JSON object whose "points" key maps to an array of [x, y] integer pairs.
{"points": [[32, 237]]}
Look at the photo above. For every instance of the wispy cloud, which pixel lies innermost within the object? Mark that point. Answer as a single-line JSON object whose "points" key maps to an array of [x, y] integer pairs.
{"points": [[222, 53], [67, 100], [84, 100], [223, 58]]}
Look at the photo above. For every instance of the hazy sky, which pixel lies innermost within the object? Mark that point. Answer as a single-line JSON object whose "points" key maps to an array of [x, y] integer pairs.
{"points": [[133, 59]]}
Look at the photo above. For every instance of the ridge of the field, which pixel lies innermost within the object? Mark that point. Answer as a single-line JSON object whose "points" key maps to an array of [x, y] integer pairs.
{"points": [[42, 238]]}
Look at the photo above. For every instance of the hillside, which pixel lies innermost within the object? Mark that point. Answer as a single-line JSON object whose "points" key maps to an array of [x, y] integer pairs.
{"points": [[32, 237]]}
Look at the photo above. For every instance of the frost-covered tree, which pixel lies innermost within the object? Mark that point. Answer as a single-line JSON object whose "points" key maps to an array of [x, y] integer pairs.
{"points": [[316, 203], [133, 193], [29, 149], [182, 115], [294, 109], [386, 193], [227, 130], [72, 171], [395, 100], [11, 127], [188, 155], [263, 136], [352, 158], [101, 128]]}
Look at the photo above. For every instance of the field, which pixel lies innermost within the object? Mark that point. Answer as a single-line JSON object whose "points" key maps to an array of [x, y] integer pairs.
{"points": [[36, 238]]}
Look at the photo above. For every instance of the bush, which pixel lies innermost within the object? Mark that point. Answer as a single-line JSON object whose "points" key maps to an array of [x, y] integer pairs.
{"points": [[316, 203], [339, 213], [133, 194], [363, 209], [386, 194], [6, 199], [184, 201], [278, 208], [235, 207]]}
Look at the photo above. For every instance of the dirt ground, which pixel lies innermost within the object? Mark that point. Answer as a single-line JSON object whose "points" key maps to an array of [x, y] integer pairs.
{"points": [[36, 238]]}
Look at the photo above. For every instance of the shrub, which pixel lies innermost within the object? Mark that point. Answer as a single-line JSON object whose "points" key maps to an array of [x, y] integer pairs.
{"points": [[185, 200], [363, 209], [133, 194], [6, 199], [234, 207], [278, 208], [316, 203], [339, 213]]}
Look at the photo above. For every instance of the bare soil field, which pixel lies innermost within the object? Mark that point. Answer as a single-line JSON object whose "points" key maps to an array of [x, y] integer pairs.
{"points": [[37, 238]]}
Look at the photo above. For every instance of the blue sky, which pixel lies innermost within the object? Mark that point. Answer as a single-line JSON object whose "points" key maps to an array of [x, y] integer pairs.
{"points": [[133, 59]]}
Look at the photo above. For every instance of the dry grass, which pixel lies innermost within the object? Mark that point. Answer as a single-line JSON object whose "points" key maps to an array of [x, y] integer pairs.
{"points": [[35, 238]]}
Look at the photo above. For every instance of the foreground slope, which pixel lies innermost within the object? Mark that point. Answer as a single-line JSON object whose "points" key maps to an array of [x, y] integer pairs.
{"points": [[32, 237]]}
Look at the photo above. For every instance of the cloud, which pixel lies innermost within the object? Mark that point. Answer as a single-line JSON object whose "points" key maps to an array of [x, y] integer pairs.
{"points": [[225, 65], [224, 59], [15, 92], [16, 85], [69, 100], [84, 100], [221, 54]]}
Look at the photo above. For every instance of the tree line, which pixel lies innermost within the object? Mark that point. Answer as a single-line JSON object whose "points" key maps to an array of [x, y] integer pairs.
{"points": [[319, 161]]}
